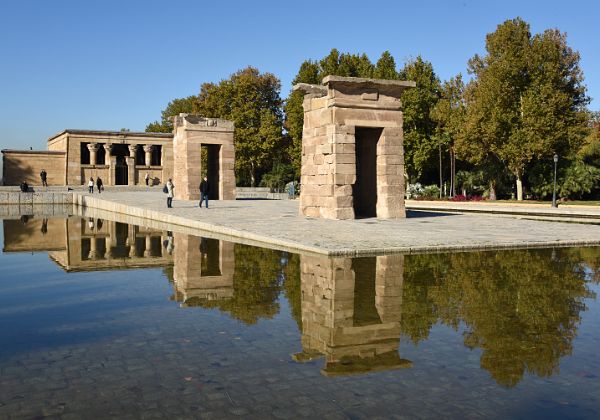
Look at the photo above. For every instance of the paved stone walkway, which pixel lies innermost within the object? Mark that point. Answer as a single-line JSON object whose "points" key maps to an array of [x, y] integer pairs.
{"points": [[573, 212], [276, 224]]}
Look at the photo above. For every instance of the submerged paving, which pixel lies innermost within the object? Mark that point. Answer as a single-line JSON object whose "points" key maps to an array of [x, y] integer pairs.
{"points": [[276, 224]]}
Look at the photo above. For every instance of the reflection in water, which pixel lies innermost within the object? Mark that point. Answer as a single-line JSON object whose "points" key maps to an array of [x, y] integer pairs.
{"points": [[351, 311], [521, 308]]}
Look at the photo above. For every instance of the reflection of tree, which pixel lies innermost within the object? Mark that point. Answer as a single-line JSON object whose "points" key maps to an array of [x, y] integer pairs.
{"points": [[520, 307], [422, 273], [292, 287], [256, 285]]}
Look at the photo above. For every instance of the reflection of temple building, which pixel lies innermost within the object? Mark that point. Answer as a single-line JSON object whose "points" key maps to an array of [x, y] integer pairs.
{"points": [[29, 234], [351, 310], [203, 269], [89, 244]]}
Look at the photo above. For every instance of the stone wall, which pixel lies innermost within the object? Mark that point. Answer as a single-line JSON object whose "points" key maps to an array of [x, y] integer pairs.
{"points": [[94, 171], [26, 165]]}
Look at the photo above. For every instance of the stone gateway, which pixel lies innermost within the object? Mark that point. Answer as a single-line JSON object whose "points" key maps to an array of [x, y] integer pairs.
{"points": [[352, 148]]}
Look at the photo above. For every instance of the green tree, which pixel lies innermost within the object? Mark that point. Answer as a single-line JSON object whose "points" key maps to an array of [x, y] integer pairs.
{"points": [[313, 72], [294, 112], [175, 107], [251, 100], [420, 141], [526, 100], [449, 114], [386, 67]]}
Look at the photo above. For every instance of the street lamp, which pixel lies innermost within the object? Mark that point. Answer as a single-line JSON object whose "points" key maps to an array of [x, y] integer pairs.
{"points": [[554, 190]]}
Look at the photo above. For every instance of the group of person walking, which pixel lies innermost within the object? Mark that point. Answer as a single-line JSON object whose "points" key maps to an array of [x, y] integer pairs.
{"points": [[98, 183], [204, 191]]}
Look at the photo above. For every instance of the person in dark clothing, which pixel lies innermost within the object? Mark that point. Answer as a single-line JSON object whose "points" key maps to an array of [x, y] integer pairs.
{"points": [[99, 184], [204, 190], [24, 186], [44, 177]]}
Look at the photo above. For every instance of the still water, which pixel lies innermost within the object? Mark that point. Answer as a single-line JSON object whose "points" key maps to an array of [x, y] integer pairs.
{"points": [[104, 319]]}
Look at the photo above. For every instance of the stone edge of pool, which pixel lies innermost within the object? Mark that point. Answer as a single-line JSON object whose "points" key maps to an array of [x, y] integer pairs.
{"points": [[182, 224]]}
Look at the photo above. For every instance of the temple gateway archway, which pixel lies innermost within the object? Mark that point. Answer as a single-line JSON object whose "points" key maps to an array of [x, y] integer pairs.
{"points": [[192, 134], [352, 148]]}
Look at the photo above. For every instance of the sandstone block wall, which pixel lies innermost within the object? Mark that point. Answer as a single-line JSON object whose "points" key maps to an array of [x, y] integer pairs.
{"points": [[332, 115], [191, 132], [26, 166]]}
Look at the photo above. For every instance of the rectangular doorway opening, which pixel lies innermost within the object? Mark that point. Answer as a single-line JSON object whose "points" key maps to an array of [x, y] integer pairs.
{"points": [[364, 190], [365, 308], [211, 154], [121, 152]]}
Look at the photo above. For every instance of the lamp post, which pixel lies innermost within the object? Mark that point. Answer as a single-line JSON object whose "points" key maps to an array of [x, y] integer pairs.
{"points": [[554, 190]]}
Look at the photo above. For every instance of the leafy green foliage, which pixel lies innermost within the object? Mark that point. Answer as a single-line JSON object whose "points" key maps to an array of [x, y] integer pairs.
{"points": [[175, 107], [251, 100], [576, 179], [280, 175], [313, 72], [526, 100], [420, 142]]}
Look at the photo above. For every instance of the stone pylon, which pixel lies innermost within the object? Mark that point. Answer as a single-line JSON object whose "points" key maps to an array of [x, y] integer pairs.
{"points": [[352, 148], [191, 132]]}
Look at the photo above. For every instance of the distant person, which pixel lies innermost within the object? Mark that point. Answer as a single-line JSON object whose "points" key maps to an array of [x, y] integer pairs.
{"points": [[170, 244], [99, 185], [44, 177], [147, 178], [169, 188], [24, 186], [91, 185], [204, 190], [44, 228]]}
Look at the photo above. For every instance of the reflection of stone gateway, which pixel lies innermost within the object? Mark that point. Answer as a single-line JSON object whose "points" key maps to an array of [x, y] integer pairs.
{"points": [[351, 311], [203, 269]]}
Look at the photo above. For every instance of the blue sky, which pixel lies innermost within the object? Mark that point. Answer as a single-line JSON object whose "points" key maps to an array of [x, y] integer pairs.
{"points": [[115, 64]]}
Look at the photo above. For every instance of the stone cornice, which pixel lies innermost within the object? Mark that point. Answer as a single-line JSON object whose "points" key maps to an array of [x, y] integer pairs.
{"points": [[116, 134]]}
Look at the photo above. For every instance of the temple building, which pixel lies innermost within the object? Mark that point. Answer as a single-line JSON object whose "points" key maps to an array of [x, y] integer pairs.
{"points": [[197, 147], [73, 156]]}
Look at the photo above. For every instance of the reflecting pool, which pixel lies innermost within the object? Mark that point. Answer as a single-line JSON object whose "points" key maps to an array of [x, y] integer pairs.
{"points": [[100, 318]]}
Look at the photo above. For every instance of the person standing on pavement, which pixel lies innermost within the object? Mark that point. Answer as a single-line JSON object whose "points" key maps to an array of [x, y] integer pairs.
{"points": [[170, 188], [44, 177], [204, 190], [99, 184], [91, 185], [147, 178]]}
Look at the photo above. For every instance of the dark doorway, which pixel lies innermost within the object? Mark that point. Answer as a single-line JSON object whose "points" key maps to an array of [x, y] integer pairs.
{"points": [[365, 311], [210, 257], [364, 190], [210, 168], [121, 152]]}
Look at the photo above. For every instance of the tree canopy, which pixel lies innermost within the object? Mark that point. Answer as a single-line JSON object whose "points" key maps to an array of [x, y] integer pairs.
{"points": [[524, 102], [526, 99]]}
